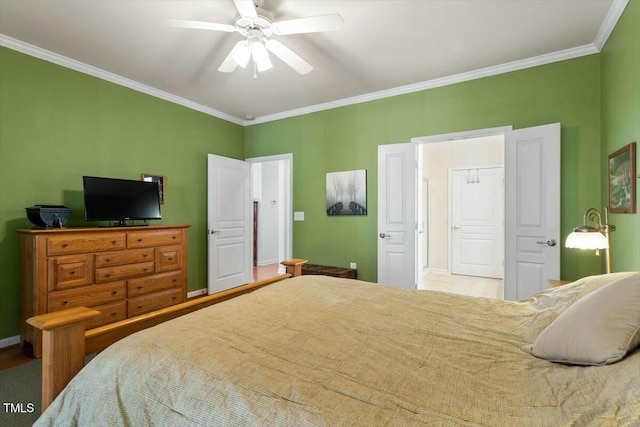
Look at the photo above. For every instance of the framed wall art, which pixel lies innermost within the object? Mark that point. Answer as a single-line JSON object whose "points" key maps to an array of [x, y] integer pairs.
{"points": [[622, 183], [347, 193], [156, 178]]}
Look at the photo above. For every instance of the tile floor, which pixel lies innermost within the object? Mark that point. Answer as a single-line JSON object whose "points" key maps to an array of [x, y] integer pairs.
{"points": [[465, 285]]}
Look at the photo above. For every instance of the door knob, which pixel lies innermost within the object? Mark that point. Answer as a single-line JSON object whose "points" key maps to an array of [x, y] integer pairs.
{"points": [[551, 242], [455, 227], [214, 231], [385, 236]]}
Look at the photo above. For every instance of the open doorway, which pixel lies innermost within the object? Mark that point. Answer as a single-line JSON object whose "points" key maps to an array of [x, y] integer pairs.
{"points": [[531, 208], [272, 209], [461, 215]]}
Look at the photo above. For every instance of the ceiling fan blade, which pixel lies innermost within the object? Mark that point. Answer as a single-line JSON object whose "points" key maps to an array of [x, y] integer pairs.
{"points": [[313, 24], [288, 57], [246, 8], [229, 64], [200, 25]]}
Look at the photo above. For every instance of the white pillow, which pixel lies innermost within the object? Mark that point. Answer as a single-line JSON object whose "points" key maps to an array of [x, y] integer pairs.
{"points": [[598, 329]]}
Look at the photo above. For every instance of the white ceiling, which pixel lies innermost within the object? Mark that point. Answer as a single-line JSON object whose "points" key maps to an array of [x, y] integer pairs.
{"points": [[384, 47]]}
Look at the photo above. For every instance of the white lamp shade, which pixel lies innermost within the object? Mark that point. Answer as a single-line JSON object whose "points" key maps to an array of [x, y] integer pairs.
{"points": [[260, 56], [242, 55], [586, 240]]}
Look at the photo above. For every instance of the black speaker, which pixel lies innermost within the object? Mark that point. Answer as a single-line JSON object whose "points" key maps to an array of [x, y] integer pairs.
{"points": [[48, 216]]}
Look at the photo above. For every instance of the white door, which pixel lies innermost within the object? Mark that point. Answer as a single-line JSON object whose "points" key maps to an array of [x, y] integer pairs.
{"points": [[397, 215], [229, 223], [532, 190], [476, 228]]}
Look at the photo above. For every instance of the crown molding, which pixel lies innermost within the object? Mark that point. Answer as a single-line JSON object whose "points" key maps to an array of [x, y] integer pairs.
{"points": [[610, 21], [57, 59], [549, 58], [615, 11]]}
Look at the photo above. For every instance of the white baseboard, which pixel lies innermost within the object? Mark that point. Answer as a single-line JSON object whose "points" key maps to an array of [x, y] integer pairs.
{"points": [[197, 293], [8, 342], [439, 271], [262, 263]]}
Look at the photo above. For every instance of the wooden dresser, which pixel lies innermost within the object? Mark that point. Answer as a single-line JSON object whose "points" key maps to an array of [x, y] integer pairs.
{"points": [[120, 271]]}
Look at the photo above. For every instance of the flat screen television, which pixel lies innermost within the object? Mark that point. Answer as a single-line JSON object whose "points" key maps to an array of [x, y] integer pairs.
{"points": [[121, 200]]}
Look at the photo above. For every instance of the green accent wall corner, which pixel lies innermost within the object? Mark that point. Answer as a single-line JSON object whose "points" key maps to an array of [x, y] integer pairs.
{"points": [[621, 125]]}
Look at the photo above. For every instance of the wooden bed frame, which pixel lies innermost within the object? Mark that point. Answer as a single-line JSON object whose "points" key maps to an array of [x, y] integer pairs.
{"points": [[65, 343]]}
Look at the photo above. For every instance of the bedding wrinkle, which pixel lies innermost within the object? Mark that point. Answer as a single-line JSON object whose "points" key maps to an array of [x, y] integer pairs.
{"points": [[320, 351]]}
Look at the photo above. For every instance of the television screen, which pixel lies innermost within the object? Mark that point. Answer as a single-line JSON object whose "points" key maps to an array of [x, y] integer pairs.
{"points": [[111, 199]]}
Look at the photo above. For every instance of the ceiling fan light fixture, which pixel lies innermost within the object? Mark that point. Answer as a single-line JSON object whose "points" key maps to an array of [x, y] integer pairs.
{"points": [[256, 26], [260, 56], [242, 55]]}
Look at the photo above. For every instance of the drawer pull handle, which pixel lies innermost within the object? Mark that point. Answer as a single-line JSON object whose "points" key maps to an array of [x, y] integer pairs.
{"points": [[144, 255], [108, 260], [113, 242], [139, 240], [65, 302], [174, 280], [72, 272], [64, 244], [175, 298], [139, 307], [170, 258], [114, 292], [113, 314], [145, 269], [174, 237], [107, 275], [139, 287]]}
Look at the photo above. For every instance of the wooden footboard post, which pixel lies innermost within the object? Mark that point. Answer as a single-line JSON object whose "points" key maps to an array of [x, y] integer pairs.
{"points": [[63, 348], [294, 266]]}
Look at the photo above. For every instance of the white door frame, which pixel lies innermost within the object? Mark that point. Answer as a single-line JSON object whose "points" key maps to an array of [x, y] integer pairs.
{"points": [[288, 238], [501, 130], [455, 136]]}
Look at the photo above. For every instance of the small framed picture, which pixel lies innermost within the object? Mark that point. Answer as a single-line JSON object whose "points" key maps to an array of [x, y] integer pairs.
{"points": [[347, 193], [622, 184], [156, 178]]}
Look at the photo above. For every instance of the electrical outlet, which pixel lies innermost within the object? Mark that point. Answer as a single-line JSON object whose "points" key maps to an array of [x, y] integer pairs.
{"points": [[353, 266]]}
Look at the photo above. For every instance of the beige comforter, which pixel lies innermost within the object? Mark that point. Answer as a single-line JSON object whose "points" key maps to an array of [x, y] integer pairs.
{"points": [[321, 351]]}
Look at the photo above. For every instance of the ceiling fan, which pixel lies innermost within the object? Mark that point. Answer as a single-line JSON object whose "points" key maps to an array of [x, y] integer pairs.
{"points": [[257, 28]]}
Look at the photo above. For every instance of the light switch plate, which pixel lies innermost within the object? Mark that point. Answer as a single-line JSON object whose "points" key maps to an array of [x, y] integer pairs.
{"points": [[298, 216]]}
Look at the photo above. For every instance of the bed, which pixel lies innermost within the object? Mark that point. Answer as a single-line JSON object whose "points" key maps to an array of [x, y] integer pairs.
{"points": [[317, 350]]}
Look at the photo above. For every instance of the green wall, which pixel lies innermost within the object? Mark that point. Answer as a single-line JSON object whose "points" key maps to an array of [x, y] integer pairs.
{"points": [[347, 138], [57, 125], [621, 125]]}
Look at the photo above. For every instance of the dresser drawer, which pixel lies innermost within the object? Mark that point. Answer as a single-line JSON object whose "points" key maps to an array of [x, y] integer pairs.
{"points": [[117, 272], [87, 296], [146, 239], [155, 283], [96, 242], [147, 303], [168, 258], [109, 313], [124, 257], [69, 271]]}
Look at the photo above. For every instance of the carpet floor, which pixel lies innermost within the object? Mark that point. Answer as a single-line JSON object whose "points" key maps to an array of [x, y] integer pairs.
{"points": [[20, 394]]}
